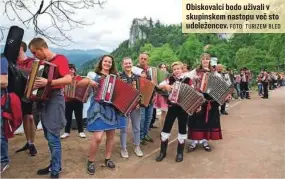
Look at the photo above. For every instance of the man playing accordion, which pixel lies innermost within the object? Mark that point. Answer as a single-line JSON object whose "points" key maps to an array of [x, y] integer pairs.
{"points": [[53, 109]]}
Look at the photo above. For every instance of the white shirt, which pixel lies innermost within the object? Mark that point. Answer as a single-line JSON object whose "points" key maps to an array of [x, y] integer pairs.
{"points": [[166, 82], [91, 75]]}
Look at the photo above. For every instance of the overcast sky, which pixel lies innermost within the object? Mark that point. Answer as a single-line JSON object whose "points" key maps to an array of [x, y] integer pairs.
{"points": [[112, 23]]}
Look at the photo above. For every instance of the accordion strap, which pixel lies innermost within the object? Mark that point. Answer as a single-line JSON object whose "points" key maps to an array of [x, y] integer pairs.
{"points": [[50, 77], [208, 108]]}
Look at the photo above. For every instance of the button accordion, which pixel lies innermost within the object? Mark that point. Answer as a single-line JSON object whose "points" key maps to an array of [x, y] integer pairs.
{"points": [[117, 93], [156, 75], [216, 87], [186, 97], [146, 89], [43, 69], [81, 93], [69, 90]]}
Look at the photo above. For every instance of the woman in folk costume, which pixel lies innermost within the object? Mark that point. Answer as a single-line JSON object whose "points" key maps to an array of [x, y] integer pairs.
{"points": [[174, 111], [204, 125]]}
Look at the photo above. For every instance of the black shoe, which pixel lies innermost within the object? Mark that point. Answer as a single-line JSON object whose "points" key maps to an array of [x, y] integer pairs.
{"points": [[54, 176], [26, 147], [180, 150], [148, 139], [110, 164], [33, 150], [90, 168], [224, 113], [45, 171], [163, 149], [152, 126], [207, 147], [143, 142]]}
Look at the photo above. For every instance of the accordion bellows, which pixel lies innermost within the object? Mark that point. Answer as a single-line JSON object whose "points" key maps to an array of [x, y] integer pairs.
{"points": [[186, 97], [146, 88], [81, 93], [117, 93], [40, 69], [216, 87], [69, 90]]}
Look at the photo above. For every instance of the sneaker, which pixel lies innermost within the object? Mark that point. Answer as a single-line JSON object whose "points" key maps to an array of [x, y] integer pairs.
{"points": [[143, 142], [45, 171], [148, 139], [124, 153], [138, 151], [4, 167], [33, 150], [82, 135], [110, 164], [65, 135], [54, 176], [26, 147], [90, 168]]}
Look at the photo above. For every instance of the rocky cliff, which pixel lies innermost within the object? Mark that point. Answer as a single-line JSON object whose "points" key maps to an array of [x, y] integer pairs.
{"points": [[136, 31]]}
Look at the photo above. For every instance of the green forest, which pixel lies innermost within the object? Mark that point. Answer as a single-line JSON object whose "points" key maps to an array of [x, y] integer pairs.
{"points": [[167, 43]]}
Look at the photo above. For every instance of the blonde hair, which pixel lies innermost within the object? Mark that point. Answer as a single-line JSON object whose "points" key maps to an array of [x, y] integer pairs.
{"points": [[176, 63], [38, 43]]}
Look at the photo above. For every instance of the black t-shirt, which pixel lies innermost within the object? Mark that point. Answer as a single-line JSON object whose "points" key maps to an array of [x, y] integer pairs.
{"points": [[133, 79]]}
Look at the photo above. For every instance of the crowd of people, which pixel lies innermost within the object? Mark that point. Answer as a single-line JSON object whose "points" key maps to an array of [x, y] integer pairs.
{"points": [[56, 113]]}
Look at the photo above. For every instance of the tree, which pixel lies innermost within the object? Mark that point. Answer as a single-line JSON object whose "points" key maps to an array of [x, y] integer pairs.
{"points": [[221, 51], [151, 23], [147, 48], [157, 24], [162, 54], [276, 48], [60, 13], [191, 50]]}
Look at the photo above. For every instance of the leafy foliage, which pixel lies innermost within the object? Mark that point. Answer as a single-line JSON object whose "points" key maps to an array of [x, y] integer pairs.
{"points": [[166, 44]]}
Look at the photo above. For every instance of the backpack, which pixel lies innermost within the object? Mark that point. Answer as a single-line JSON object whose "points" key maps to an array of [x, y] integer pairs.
{"points": [[17, 80], [11, 113]]}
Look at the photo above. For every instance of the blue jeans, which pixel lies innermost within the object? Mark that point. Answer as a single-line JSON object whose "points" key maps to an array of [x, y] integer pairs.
{"points": [[135, 118], [146, 116], [237, 86], [4, 149], [55, 150], [260, 89]]}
